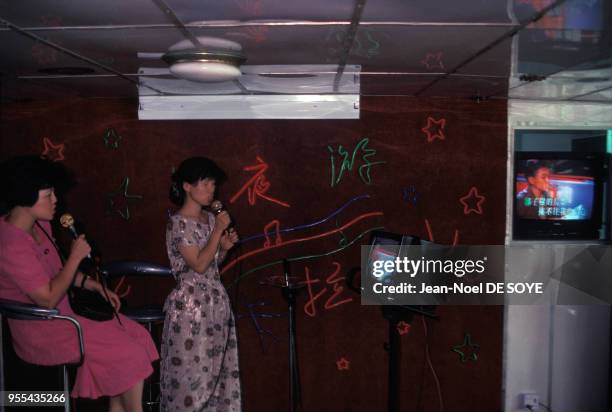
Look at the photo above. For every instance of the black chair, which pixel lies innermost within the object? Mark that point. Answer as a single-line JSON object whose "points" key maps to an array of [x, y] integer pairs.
{"points": [[24, 311], [147, 315]]}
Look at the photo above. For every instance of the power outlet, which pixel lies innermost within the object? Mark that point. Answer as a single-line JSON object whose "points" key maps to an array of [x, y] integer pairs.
{"points": [[530, 401]]}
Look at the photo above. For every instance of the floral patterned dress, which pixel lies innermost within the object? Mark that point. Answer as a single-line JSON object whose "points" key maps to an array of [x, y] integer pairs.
{"points": [[199, 366]]}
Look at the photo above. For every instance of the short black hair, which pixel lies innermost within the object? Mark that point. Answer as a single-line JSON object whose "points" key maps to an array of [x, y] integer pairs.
{"points": [[22, 177], [532, 166], [191, 171]]}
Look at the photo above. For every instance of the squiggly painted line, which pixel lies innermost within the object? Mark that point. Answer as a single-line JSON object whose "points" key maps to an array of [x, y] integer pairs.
{"points": [[431, 238], [306, 257], [429, 232], [307, 225], [299, 240], [278, 240], [343, 238]]}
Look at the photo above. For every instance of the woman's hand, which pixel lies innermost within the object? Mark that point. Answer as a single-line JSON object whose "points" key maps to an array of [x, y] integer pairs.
{"points": [[80, 248], [228, 239], [222, 221]]}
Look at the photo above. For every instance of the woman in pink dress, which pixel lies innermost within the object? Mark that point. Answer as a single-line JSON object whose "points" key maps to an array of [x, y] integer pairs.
{"points": [[118, 357]]}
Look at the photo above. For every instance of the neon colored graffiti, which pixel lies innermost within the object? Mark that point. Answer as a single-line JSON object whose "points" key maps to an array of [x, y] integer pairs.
{"points": [[410, 195], [278, 240], [53, 152], [403, 327], [343, 364], [310, 307], [307, 225], [467, 350], [306, 257], [343, 239], [431, 236], [111, 138], [472, 202], [121, 196], [348, 164], [304, 239], [258, 185], [254, 316], [434, 129]]}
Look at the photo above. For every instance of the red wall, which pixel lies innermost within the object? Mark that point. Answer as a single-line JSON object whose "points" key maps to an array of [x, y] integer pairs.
{"points": [[417, 190]]}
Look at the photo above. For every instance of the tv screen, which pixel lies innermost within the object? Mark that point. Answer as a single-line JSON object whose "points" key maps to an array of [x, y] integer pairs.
{"points": [[557, 195], [384, 247], [560, 189]]}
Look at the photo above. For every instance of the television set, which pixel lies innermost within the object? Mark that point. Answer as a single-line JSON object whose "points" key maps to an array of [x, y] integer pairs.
{"points": [[558, 195], [387, 246]]}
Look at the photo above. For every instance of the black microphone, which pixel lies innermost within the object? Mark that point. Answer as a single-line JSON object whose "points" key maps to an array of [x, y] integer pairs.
{"points": [[217, 207], [67, 221]]}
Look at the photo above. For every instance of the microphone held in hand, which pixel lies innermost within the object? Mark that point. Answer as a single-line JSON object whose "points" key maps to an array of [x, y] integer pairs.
{"points": [[67, 221], [217, 207]]}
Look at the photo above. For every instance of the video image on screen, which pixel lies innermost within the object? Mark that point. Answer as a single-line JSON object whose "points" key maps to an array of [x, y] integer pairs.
{"points": [[554, 190], [379, 253]]}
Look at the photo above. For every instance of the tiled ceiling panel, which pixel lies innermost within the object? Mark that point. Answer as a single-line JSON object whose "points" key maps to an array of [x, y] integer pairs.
{"points": [[433, 48]]}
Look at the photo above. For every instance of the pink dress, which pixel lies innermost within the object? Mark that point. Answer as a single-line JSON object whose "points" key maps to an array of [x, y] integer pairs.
{"points": [[116, 357]]}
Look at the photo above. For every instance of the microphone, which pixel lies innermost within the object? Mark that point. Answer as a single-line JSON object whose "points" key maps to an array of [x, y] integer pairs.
{"points": [[217, 207], [67, 221]]}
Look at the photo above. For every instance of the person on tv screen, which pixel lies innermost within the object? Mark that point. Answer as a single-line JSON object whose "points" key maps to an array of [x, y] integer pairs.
{"points": [[539, 199]]}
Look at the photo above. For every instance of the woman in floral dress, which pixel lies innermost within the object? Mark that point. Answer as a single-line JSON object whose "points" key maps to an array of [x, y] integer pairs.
{"points": [[199, 367]]}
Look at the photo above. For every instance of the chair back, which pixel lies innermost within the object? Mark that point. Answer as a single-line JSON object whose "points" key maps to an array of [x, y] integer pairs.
{"points": [[134, 268], [28, 311]]}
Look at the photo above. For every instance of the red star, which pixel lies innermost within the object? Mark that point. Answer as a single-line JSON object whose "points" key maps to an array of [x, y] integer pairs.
{"points": [[343, 364], [52, 152], [433, 61], [434, 129], [403, 327], [472, 198]]}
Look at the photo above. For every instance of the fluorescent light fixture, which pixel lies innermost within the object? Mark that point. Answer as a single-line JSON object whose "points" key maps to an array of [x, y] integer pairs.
{"points": [[340, 106], [263, 92]]}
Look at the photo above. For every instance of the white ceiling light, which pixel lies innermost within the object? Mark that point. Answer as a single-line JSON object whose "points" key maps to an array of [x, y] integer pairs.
{"points": [[212, 60]]}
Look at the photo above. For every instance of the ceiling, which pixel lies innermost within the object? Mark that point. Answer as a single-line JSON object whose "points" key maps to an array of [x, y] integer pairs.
{"points": [[478, 49]]}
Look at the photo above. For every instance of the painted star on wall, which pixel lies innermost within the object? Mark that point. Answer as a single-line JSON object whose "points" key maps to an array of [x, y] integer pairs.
{"points": [[472, 202], [343, 364], [403, 327], [53, 152], [434, 129], [119, 201], [112, 138], [467, 347]]}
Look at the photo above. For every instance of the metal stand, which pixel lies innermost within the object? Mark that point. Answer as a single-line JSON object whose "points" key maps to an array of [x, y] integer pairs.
{"points": [[290, 291], [395, 314]]}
